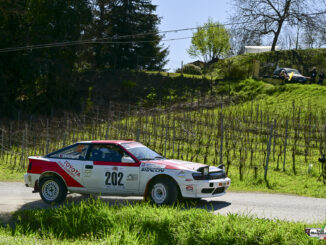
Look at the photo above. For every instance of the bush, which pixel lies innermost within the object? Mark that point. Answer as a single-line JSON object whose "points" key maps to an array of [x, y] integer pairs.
{"points": [[96, 221], [230, 69], [190, 69]]}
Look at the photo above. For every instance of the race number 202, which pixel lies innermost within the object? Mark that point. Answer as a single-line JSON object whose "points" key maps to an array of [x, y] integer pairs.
{"points": [[113, 178]]}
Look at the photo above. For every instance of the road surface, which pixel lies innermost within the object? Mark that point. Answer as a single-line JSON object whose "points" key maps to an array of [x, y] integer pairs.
{"points": [[15, 196]]}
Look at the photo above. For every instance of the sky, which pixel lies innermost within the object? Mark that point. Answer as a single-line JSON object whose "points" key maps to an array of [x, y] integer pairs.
{"points": [[179, 14]]}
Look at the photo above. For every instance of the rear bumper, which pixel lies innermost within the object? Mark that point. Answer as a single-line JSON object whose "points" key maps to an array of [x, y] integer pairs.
{"points": [[31, 179]]}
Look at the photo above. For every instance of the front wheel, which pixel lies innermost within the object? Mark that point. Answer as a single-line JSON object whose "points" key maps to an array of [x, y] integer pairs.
{"points": [[163, 191], [52, 190]]}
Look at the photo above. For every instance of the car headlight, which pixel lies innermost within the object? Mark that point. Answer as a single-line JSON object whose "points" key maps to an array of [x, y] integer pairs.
{"points": [[203, 173], [204, 170]]}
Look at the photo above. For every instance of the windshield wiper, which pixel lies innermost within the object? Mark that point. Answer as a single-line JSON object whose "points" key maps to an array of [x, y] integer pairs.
{"points": [[159, 157]]}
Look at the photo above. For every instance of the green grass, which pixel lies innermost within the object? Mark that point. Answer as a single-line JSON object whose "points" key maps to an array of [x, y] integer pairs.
{"points": [[279, 182], [9, 175], [96, 222]]}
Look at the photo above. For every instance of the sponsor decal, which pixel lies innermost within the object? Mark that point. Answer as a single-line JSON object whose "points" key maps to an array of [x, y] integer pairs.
{"points": [[181, 174], [70, 156], [87, 173], [153, 170], [132, 177], [151, 165], [132, 145], [189, 187], [188, 179], [319, 233], [67, 167]]}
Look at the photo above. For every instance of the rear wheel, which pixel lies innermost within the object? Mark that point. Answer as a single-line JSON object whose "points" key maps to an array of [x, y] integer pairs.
{"points": [[163, 191], [52, 190]]}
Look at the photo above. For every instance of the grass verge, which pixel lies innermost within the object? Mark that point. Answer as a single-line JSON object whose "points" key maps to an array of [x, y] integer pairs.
{"points": [[96, 222], [9, 175]]}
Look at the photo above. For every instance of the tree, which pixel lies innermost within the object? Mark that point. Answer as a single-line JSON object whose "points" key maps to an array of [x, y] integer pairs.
{"points": [[240, 38], [38, 79], [122, 21], [98, 54], [268, 17], [12, 32], [210, 42]]}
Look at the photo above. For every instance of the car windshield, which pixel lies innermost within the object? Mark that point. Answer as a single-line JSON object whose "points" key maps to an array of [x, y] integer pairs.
{"points": [[141, 152], [293, 70]]}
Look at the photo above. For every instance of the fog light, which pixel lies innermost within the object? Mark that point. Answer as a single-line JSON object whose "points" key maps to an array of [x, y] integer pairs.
{"points": [[220, 184]]}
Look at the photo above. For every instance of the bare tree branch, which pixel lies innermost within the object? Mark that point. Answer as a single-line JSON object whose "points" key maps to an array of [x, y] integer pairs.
{"points": [[267, 17]]}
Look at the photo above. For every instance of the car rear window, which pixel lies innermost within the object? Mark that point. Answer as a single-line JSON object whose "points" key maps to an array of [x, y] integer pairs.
{"points": [[74, 152]]}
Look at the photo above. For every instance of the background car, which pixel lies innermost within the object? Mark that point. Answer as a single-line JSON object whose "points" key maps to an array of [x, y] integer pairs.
{"points": [[284, 74], [121, 168]]}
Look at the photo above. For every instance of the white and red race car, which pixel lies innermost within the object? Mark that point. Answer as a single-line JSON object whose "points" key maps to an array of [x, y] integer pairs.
{"points": [[119, 167]]}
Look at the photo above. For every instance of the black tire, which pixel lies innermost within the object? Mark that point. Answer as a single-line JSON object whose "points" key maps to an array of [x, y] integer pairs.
{"points": [[163, 191], [52, 190]]}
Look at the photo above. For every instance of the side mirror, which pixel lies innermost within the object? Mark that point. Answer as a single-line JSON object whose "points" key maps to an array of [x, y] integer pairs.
{"points": [[126, 159]]}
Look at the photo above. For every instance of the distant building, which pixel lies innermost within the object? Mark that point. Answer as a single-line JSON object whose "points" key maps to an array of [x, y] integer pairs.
{"points": [[198, 63], [258, 49]]}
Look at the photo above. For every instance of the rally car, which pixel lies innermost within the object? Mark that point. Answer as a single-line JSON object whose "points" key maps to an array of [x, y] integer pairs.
{"points": [[121, 167]]}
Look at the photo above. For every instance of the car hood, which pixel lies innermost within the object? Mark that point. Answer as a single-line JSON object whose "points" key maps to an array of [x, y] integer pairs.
{"points": [[178, 164]]}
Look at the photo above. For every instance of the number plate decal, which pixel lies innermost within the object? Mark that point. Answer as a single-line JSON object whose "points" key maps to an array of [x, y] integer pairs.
{"points": [[114, 180]]}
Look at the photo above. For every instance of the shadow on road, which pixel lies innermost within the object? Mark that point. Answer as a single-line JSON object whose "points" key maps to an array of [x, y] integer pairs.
{"points": [[210, 205]]}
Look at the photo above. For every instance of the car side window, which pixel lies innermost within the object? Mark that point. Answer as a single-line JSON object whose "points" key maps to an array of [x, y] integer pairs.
{"points": [[78, 152], [106, 153]]}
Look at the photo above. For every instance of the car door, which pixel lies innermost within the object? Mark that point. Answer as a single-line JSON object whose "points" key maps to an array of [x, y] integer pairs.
{"points": [[112, 171], [70, 164]]}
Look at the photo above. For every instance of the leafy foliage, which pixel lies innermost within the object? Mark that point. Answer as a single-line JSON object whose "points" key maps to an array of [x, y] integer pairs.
{"points": [[210, 42], [44, 80], [36, 78], [190, 69]]}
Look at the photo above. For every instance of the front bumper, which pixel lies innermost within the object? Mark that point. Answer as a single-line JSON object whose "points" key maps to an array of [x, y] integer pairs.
{"points": [[206, 188]]}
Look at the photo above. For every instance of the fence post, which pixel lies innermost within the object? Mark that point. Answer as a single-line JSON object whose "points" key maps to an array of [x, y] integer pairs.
{"points": [[285, 142], [138, 134], [274, 139], [269, 149], [10, 131], [2, 143], [166, 138], [222, 136], [47, 137]]}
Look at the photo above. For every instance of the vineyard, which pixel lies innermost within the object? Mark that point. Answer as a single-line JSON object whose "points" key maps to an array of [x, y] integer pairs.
{"points": [[272, 143]]}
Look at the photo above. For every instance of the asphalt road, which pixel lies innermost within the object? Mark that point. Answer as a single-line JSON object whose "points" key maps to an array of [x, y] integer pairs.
{"points": [[15, 196]]}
